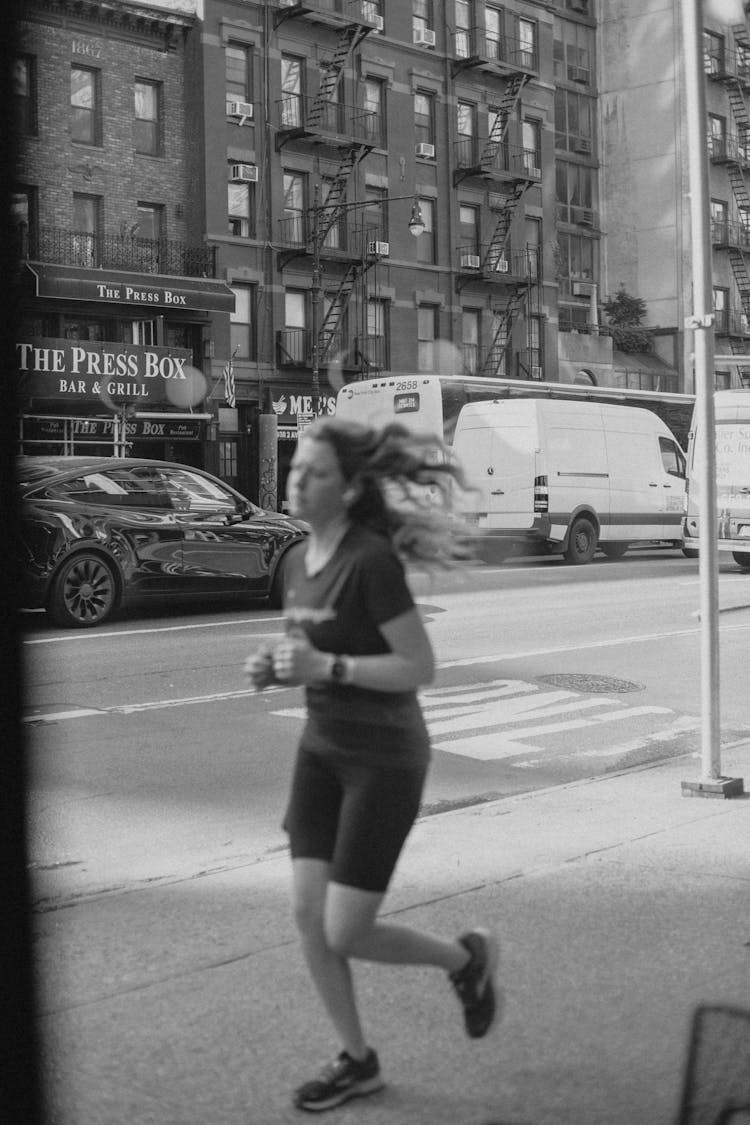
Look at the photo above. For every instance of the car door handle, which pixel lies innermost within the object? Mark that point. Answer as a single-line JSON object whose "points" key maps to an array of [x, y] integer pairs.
{"points": [[497, 492], [652, 484]]}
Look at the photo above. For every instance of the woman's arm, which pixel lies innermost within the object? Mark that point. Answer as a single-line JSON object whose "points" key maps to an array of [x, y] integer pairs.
{"points": [[408, 665]]}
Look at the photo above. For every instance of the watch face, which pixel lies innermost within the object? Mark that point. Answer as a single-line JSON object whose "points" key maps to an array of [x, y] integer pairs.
{"points": [[337, 669]]}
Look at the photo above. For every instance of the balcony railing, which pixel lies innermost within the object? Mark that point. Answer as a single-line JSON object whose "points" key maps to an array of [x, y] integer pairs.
{"points": [[371, 351], [294, 347], [507, 161], [731, 322], [353, 11], [347, 238], [303, 116], [475, 45], [121, 252], [729, 149], [725, 233], [493, 263], [720, 64]]}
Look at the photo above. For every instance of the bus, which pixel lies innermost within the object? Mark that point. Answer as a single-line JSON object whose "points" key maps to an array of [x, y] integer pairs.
{"points": [[732, 411], [549, 467], [432, 403]]}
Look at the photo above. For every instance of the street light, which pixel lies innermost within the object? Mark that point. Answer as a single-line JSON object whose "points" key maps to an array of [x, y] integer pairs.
{"points": [[416, 227]]}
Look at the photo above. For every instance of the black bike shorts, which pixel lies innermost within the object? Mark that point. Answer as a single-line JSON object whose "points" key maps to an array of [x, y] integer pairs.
{"points": [[352, 815]]}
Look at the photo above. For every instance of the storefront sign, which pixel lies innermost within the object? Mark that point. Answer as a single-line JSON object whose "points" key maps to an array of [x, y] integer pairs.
{"points": [[77, 371], [98, 429], [114, 287], [289, 407]]}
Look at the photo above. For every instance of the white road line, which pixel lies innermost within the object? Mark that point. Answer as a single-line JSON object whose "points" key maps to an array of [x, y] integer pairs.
{"points": [[97, 635], [152, 705]]}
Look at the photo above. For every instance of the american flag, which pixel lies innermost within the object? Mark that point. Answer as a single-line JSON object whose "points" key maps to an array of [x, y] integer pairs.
{"points": [[228, 373]]}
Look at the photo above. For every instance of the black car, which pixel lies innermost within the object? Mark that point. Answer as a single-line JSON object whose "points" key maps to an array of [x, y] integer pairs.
{"points": [[98, 531]]}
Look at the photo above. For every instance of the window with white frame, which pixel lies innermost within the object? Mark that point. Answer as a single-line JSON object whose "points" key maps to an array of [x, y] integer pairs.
{"points": [[427, 331], [241, 327]]}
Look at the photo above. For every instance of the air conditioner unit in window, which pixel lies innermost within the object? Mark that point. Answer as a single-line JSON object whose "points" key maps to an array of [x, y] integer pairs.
{"points": [[380, 249], [469, 261], [501, 265], [243, 110], [578, 74], [243, 174], [426, 150], [532, 170], [378, 21], [424, 37], [582, 144], [585, 218], [583, 288], [535, 372]]}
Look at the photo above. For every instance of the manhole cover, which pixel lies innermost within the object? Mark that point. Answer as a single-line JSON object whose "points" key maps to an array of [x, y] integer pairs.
{"points": [[583, 681]]}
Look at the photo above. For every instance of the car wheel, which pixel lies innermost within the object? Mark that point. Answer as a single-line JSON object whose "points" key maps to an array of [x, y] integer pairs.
{"points": [[581, 542], [84, 592], [690, 552], [614, 550], [276, 592], [742, 558]]}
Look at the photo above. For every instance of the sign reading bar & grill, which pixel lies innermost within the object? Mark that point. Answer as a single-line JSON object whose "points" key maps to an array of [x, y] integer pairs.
{"points": [[80, 371]]}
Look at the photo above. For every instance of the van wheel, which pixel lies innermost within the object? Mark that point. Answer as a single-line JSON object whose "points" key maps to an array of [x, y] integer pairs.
{"points": [[742, 558], [690, 552], [581, 542], [614, 550]]}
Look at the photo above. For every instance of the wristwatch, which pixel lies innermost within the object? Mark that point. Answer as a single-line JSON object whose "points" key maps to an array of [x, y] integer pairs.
{"points": [[339, 671]]}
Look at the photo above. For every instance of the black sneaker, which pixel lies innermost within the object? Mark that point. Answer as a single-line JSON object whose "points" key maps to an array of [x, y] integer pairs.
{"points": [[475, 984], [339, 1081]]}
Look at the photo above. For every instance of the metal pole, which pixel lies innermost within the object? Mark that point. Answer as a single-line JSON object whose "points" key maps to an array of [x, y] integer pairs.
{"points": [[701, 323], [315, 297]]}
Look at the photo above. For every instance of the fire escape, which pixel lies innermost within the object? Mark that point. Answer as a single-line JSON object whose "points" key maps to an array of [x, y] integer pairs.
{"points": [[734, 153], [512, 170], [344, 135]]}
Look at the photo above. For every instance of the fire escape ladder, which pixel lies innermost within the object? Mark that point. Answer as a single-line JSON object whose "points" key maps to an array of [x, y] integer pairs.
{"points": [[508, 103], [740, 32], [332, 208], [496, 247], [494, 362], [335, 313], [741, 277], [737, 102], [349, 38]]}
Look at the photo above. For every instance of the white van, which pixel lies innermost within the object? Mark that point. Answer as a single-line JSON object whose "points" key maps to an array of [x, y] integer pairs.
{"points": [[732, 410], [570, 476]]}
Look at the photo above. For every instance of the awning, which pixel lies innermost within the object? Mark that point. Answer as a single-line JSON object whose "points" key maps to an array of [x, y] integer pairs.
{"points": [[644, 362], [143, 290]]}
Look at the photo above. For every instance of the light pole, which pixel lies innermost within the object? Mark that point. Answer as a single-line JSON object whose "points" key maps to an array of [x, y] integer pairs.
{"points": [[416, 227]]}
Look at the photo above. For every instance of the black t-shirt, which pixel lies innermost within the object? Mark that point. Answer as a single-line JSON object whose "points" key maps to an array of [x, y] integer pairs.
{"points": [[341, 609]]}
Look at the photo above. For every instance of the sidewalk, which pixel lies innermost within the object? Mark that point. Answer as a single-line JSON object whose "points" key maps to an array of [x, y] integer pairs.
{"points": [[620, 905]]}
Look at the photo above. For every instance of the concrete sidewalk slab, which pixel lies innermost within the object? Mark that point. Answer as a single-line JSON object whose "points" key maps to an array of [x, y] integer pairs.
{"points": [[620, 904]]}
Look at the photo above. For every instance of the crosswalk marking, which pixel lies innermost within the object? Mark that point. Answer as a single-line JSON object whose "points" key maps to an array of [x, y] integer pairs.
{"points": [[495, 720]]}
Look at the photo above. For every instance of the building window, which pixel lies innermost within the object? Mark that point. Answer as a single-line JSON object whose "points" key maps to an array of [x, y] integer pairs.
{"points": [[86, 229], [293, 221], [426, 242], [238, 73], [23, 218], [241, 326], [470, 322], [573, 53], [424, 118], [575, 189], [84, 103], [721, 309], [423, 18], [533, 233], [464, 28], [576, 261], [468, 227], [493, 33], [375, 350], [574, 122], [148, 246], [295, 348], [526, 54], [466, 130], [372, 10], [228, 460], [24, 94], [374, 107], [531, 142], [427, 319], [240, 210], [376, 213], [713, 53], [291, 91], [148, 118]]}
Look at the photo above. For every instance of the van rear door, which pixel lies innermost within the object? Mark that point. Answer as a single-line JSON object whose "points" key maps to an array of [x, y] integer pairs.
{"points": [[496, 443]]}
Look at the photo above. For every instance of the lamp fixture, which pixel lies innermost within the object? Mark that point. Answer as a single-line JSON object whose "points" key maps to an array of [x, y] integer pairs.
{"points": [[416, 222]]}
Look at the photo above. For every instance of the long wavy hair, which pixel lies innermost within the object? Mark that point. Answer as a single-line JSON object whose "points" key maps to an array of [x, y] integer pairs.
{"points": [[403, 486]]}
